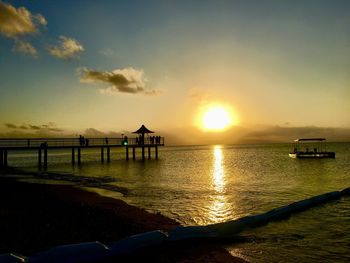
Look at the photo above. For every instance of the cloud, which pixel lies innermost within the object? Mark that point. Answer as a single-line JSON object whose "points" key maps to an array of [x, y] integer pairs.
{"points": [[25, 47], [93, 132], [34, 127], [127, 80], [67, 48], [11, 126], [200, 95], [108, 52], [50, 127], [41, 19], [16, 22]]}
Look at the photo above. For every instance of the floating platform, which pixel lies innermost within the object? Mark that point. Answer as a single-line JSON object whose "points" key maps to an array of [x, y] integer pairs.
{"points": [[307, 148], [312, 155]]}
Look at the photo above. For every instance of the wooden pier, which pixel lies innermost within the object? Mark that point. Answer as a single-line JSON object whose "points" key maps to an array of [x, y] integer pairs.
{"points": [[77, 145]]}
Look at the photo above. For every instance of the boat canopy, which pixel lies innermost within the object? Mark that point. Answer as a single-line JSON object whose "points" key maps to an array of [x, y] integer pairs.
{"points": [[310, 139]]}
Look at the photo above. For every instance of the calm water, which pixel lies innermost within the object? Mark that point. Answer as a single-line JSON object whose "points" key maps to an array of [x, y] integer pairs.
{"points": [[209, 184]]}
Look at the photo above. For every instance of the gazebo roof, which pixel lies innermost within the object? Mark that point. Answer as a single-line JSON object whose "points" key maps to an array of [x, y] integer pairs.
{"points": [[143, 130]]}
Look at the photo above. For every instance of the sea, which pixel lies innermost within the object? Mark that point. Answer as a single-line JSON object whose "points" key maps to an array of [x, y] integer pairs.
{"points": [[200, 185]]}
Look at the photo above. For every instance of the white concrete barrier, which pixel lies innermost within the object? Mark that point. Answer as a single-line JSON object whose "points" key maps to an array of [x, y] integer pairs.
{"points": [[137, 242], [83, 252], [12, 258], [181, 232]]}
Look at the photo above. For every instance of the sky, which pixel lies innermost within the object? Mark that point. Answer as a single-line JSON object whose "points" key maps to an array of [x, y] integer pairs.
{"points": [[282, 68]]}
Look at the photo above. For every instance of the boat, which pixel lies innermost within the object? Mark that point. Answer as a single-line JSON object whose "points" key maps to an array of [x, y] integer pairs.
{"points": [[311, 148]]}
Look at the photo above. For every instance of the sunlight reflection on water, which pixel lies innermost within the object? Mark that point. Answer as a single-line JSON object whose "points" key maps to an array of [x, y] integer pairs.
{"points": [[218, 208], [218, 170]]}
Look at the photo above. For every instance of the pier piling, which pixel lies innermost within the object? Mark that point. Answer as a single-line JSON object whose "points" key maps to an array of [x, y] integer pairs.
{"points": [[45, 157], [133, 153], [39, 157], [79, 156], [127, 152], [5, 158], [156, 151], [143, 152], [73, 156], [1, 158], [102, 155], [108, 154]]}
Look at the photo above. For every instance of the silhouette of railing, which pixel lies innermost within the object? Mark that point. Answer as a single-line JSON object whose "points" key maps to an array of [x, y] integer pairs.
{"points": [[76, 142], [42, 145]]}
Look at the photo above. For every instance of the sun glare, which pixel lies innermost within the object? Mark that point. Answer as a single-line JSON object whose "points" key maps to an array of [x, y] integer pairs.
{"points": [[216, 118]]}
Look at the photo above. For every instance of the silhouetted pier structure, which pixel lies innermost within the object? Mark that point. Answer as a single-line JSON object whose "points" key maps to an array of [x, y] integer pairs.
{"points": [[43, 145]]}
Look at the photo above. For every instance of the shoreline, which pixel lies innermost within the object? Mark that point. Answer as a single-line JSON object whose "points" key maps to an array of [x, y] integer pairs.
{"points": [[35, 217]]}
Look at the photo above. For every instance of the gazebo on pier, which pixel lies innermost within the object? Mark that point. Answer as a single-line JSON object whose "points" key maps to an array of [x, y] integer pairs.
{"points": [[142, 131], [141, 142]]}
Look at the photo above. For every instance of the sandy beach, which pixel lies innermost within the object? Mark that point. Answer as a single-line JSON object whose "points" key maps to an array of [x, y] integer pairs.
{"points": [[35, 217]]}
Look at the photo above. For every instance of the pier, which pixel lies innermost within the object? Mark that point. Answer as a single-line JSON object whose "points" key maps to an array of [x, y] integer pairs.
{"points": [[43, 145]]}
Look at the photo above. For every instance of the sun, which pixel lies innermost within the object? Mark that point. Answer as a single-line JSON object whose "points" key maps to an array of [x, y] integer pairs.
{"points": [[216, 118]]}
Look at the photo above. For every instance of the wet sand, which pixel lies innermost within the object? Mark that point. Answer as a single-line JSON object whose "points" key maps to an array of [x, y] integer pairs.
{"points": [[35, 217]]}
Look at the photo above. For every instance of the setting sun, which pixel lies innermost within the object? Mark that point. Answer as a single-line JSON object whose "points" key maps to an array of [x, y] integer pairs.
{"points": [[216, 118]]}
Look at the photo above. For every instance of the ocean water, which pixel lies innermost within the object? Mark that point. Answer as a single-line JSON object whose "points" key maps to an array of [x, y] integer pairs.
{"points": [[199, 185]]}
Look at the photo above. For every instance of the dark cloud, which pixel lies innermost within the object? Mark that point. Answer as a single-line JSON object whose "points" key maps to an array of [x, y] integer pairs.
{"points": [[127, 80], [11, 126], [50, 127], [34, 127]]}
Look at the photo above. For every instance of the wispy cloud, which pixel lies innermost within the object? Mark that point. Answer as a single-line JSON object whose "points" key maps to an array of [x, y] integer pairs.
{"points": [[108, 52], [92, 132], [11, 126], [200, 95], [50, 127], [34, 127], [67, 48], [127, 80], [25, 47], [16, 22]]}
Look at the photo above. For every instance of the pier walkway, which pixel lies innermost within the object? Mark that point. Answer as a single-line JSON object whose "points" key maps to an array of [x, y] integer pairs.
{"points": [[43, 145]]}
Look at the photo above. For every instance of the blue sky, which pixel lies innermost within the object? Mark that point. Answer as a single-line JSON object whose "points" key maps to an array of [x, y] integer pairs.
{"points": [[280, 63]]}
